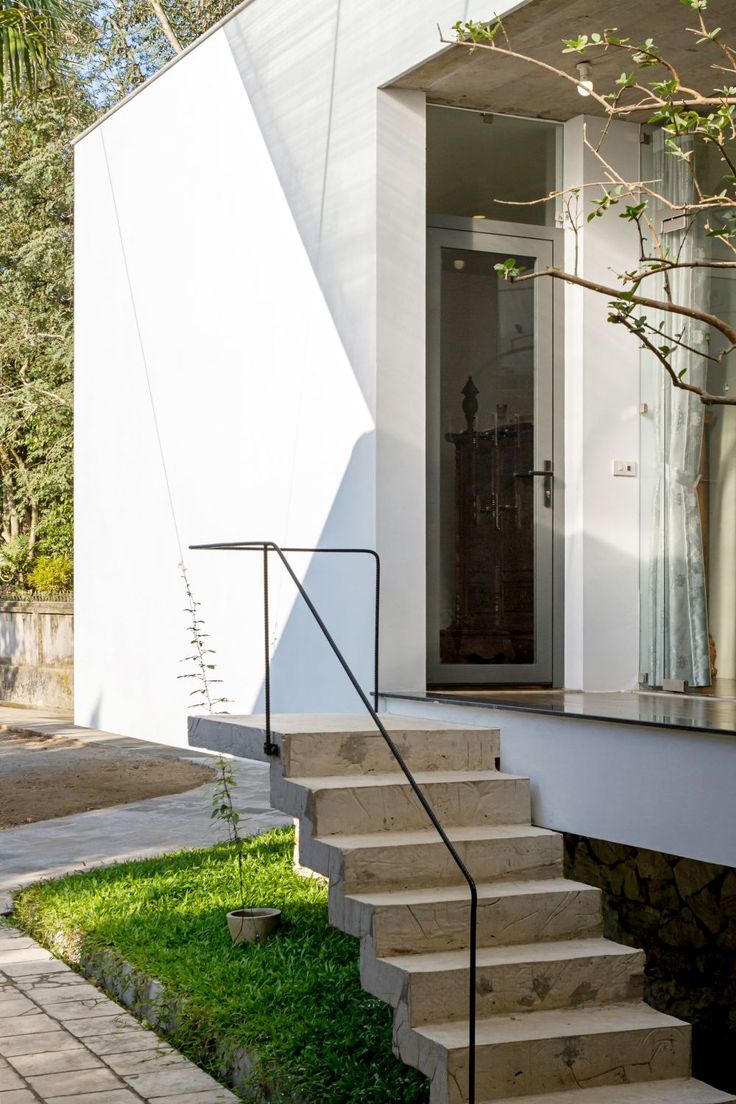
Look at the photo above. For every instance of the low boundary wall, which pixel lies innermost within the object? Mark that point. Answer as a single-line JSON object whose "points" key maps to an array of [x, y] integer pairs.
{"points": [[37, 653]]}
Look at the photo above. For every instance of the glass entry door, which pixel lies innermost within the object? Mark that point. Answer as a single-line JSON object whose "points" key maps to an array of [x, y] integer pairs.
{"points": [[491, 478]]}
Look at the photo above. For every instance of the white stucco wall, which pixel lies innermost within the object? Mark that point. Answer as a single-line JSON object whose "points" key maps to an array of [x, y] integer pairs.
{"points": [[249, 402], [664, 789], [253, 182], [601, 425]]}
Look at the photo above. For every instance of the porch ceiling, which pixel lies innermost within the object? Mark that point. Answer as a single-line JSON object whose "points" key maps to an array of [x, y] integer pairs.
{"points": [[475, 79]]}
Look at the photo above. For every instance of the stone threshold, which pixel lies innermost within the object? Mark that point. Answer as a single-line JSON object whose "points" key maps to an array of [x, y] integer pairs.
{"points": [[638, 708]]}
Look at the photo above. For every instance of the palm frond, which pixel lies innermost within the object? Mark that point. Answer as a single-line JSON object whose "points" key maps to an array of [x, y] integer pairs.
{"points": [[30, 34]]}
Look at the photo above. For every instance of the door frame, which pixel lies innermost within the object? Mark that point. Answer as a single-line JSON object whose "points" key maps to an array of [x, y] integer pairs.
{"points": [[476, 230]]}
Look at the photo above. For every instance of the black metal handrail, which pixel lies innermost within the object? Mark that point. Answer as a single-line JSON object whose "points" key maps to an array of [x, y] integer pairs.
{"points": [[270, 546], [254, 546]]}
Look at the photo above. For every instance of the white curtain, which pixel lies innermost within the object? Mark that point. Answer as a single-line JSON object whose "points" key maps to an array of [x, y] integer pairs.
{"points": [[677, 615]]}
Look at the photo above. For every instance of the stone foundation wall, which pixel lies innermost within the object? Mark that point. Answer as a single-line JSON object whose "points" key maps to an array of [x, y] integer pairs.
{"points": [[682, 913], [37, 653]]}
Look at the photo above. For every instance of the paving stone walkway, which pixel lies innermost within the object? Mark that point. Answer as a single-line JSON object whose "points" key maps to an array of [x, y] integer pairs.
{"points": [[139, 829], [64, 1042]]}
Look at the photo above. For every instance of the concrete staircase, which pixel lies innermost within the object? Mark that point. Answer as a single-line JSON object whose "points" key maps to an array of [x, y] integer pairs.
{"points": [[560, 1014]]}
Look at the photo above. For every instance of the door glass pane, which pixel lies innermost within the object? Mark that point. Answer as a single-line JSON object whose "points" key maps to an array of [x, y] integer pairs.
{"points": [[486, 514], [491, 166]]}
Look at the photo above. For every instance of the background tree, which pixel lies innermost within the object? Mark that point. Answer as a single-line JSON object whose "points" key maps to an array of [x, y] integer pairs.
{"points": [[667, 315], [90, 58], [31, 38]]}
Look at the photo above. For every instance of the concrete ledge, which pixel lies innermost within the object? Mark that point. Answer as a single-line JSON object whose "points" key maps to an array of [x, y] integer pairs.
{"points": [[25, 606], [244, 735], [234, 735]]}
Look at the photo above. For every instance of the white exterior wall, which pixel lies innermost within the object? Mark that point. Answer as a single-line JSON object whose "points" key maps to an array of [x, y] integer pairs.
{"points": [[661, 788], [249, 407], [253, 183], [601, 424]]}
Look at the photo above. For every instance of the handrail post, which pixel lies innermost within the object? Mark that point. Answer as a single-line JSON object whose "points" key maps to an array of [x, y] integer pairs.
{"points": [[269, 747], [375, 630], [472, 990]]}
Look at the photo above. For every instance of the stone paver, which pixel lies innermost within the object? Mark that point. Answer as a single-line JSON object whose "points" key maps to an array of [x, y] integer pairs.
{"points": [[206, 1097], [56, 1061], [83, 1050], [62, 1041], [117, 1096]]}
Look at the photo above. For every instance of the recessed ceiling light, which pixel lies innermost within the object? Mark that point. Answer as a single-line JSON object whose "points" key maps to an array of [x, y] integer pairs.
{"points": [[585, 87]]}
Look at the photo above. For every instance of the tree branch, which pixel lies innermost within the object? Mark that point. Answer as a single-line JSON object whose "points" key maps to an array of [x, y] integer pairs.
{"points": [[166, 26], [705, 397], [626, 297], [668, 266]]}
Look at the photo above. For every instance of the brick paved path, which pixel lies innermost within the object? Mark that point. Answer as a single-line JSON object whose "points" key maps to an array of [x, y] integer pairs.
{"points": [[64, 1042]]}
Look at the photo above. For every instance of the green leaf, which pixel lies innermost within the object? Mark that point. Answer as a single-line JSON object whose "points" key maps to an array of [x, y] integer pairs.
{"points": [[633, 212], [509, 269], [576, 45]]}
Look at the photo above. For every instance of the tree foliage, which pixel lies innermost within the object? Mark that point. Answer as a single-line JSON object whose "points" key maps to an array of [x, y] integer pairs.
{"points": [[105, 50], [650, 89], [31, 36], [36, 320]]}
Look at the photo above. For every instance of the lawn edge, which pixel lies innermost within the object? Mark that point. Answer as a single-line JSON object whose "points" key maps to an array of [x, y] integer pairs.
{"points": [[146, 998]]}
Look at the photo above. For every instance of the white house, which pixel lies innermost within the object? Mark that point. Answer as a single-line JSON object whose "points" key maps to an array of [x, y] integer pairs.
{"points": [[284, 280]]}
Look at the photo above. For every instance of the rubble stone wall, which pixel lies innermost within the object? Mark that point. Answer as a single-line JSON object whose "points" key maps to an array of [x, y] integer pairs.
{"points": [[682, 913]]}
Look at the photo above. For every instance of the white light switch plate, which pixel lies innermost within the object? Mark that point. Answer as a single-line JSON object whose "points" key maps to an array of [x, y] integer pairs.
{"points": [[625, 467]]}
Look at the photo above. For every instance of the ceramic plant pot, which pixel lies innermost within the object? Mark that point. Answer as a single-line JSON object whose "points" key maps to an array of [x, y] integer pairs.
{"points": [[253, 925]]}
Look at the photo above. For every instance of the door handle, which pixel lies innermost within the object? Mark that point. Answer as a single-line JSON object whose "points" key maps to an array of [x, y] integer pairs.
{"points": [[548, 476]]}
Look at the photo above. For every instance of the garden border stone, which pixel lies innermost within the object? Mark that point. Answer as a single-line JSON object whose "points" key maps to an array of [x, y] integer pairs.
{"points": [[148, 1000]]}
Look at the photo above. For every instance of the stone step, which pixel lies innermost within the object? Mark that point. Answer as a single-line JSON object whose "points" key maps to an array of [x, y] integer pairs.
{"points": [[353, 745], [547, 1052], [386, 860], [678, 1091], [329, 743], [560, 1019], [358, 803], [571, 973], [411, 921]]}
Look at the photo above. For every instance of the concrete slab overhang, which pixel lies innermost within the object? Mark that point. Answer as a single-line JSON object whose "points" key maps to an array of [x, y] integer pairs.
{"points": [[490, 82]]}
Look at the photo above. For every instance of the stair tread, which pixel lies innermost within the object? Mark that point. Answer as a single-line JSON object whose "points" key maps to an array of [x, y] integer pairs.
{"points": [[486, 890], [559, 918], [321, 724], [678, 1091], [352, 781], [553, 1024], [561, 950], [411, 836]]}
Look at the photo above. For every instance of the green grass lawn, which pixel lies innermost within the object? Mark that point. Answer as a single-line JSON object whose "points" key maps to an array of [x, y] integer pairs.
{"points": [[295, 999]]}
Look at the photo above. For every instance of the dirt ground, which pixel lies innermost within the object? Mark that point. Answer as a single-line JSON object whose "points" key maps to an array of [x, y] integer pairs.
{"points": [[46, 776]]}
